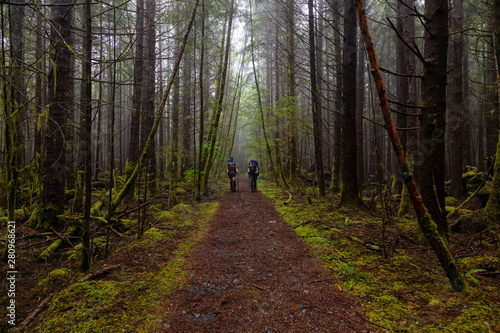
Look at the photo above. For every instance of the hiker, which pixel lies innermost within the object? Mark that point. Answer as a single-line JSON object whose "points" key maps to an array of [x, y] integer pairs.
{"points": [[232, 172], [253, 172]]}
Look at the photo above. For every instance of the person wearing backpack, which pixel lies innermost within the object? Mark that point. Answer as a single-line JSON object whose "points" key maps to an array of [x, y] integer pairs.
{"points": [[253, 172], [232, 172]]}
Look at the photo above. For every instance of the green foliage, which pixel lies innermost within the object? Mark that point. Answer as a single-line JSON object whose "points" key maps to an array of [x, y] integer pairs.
{"points": [[470, 276]]}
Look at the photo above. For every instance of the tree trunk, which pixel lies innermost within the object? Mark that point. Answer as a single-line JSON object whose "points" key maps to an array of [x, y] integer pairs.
{"points": [[135, 116], [457, 108], [292, 121], [493, 205], [202, 104], [425, 220], [174, 144], [87, 134], [316, 105], [360, 104], [53, 162], [432, 120], [149, 95], [349, 191], [337, 128]]}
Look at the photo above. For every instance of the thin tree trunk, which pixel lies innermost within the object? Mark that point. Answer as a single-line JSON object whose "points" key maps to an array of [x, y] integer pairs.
{"points": [[87, 135], [316, 105], [292, 121], [202, 103], [457, 108], [135, 116]]}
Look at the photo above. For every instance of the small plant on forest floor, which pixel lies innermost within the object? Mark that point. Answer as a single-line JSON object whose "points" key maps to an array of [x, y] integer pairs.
{"points": [[472, 278], [351, 276]]}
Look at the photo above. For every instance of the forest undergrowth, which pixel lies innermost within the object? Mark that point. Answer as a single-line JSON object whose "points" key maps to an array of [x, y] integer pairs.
{"points": [[125, 289], [385, 261]]}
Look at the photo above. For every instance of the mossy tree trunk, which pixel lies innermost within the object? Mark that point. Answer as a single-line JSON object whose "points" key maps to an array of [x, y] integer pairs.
{"points": [[349, 190], [53, 159], [431, 144], [87, 135], [425, 221], [493, 204], [135, 114]]}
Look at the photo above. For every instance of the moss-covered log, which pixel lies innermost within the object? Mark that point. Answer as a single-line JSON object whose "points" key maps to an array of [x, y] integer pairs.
{"points": [[55, 246]]}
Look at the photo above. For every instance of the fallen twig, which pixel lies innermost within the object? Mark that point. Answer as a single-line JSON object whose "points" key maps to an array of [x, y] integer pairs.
{"points": [[33, 315], [133, 210]]}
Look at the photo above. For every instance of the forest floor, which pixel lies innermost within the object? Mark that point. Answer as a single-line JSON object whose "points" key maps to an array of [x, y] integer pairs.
{"points": [[253, 274], [270, 261]]}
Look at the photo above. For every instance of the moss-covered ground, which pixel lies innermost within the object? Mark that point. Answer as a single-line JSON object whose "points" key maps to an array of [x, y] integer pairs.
{"points": [[385, 263], [132, 296]]}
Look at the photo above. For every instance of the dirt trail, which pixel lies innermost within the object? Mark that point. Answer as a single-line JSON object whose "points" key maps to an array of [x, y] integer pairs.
{"points": [[253, 274]]}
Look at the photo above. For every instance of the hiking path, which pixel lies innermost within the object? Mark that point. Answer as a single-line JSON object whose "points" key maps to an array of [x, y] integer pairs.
{"points": [[252, 273]]}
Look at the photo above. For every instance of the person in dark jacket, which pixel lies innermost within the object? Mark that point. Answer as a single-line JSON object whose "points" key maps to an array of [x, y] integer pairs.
{"points": [[253, 172], [232, 172]]}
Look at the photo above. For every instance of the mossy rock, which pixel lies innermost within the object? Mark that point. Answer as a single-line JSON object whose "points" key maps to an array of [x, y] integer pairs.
{"points": [[56, 277], [450, 201], [484, 194], [473, 180], [469, 222], [166, 216], [180, 191]]}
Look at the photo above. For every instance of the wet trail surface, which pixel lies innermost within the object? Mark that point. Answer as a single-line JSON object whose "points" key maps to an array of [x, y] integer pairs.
{"points": [[252, 273]]}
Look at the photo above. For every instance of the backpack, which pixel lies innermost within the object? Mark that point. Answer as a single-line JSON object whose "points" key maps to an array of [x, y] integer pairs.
{"points": [[232, 168], [230, 160], [255, 161]]}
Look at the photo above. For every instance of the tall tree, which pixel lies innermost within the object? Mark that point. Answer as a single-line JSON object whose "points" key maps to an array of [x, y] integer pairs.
{"points": [[493, 204], [87, 134], [135, 116], [52, 171], [349, 191], [149, 93], [292, 121], [337, 128], [457, 107], [432, 120], [316, 104]]}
